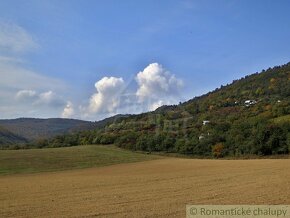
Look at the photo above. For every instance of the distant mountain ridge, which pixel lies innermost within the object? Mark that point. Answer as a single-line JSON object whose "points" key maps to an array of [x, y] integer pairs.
{"points": [[7, 137], [33, 128], [24, 130]]}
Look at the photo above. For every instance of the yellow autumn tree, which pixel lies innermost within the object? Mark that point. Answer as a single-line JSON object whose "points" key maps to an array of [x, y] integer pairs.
{"points": [[217, 150]]}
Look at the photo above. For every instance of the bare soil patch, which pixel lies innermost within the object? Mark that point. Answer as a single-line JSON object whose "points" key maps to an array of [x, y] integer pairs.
{"points": [[156, 188]]}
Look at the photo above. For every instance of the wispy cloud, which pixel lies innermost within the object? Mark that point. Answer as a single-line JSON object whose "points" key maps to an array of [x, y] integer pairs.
{"points": [[14, 38], [24, 92], [15, 76]]}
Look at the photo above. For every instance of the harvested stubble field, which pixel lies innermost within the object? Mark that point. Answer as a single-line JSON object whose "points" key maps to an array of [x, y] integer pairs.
{"points": [[155, 188]]}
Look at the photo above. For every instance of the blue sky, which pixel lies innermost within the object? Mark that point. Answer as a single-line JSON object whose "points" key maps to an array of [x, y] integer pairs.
{"points": [[94, 59]]}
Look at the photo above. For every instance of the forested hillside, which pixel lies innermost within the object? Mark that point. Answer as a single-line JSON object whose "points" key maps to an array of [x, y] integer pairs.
{"points": [[33, 129], [23, 132], [249, 116], [8, 138]]}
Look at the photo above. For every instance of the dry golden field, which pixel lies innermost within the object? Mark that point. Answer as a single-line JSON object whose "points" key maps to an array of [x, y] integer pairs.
{"points": [[154, 188]]}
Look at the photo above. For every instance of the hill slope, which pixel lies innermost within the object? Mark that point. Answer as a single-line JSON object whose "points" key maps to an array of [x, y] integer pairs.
{"points": [[8, 138], [31, 128], [249, 116]]}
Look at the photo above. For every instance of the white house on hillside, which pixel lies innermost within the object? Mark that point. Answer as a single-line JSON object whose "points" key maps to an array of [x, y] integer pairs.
{"points": [[205, 122], [250, 102]]}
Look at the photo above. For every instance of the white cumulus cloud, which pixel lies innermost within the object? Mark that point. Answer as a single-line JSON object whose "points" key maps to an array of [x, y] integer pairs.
{"points": [[157, 86], [107, 97], [68, 111], [50, 98], [156, 104], [33, 97], [26, 94]]}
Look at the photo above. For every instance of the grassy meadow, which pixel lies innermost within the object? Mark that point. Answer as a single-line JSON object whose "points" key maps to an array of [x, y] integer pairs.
{"points": [[55, 159]]}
